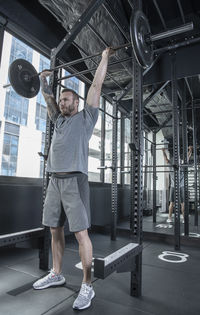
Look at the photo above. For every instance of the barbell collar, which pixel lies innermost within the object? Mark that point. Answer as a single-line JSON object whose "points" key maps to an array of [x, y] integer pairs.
{"points": [[179, 30]]}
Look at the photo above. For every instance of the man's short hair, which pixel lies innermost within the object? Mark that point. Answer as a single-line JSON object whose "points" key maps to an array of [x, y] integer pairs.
{"points": [[75, 95]]}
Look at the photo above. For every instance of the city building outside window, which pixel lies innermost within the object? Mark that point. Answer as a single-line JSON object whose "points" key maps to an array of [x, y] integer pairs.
{"points": [[10, 150], [127, 155], [108, 143]]}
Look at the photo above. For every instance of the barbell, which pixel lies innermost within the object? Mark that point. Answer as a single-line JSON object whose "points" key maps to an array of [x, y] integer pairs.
{"points": [[25, 80]]}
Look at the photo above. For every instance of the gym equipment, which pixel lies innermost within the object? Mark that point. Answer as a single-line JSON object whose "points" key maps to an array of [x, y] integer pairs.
{"points": [[120, 260], [25, 80], [142, 40]]}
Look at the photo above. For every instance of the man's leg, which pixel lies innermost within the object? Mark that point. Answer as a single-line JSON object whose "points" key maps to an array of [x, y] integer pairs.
{"points": [[54, 278], [58, 246], [86, 293], [171, 207], [85, 252]]}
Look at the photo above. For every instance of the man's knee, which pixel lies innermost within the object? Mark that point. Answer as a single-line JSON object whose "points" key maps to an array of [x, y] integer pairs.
{"points": [[56, 231], [82, 236]]}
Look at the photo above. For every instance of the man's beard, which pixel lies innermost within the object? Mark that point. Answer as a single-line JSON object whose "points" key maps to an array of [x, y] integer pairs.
{"points": [[66, 111]]}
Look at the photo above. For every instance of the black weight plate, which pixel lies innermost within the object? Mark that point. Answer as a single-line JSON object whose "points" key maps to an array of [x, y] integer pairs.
{"points": [[140, 31], [23, 78]]}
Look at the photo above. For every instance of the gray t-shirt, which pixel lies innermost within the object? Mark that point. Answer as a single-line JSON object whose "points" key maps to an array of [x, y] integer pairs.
{"points": [[181, 179], [69, 146]]}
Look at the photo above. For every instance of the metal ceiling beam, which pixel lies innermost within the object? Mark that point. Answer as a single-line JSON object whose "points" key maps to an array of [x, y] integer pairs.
{"points": [[164, 124], [189, 88], [160, 14], [154, 93], [181, 11], [107, 45], [82, 21]]}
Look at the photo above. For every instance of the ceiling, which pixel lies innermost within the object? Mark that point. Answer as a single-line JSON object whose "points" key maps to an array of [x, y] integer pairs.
{"points": [[43, 24]]}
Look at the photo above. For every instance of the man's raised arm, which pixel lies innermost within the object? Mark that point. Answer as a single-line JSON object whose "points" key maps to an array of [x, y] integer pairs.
{"points": [[52, 107], [93, 97]]}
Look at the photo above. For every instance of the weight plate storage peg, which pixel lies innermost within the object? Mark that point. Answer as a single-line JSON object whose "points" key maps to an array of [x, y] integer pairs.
{"points": [[24, 78], [141, 39]]}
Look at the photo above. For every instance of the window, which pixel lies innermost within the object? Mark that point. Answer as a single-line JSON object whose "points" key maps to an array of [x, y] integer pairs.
{"points": [[16, 108], [95, 152], [20, 50], [127, 154], [71, 83], [42, 158], [41, 111], [10, 150], [108, 143]]}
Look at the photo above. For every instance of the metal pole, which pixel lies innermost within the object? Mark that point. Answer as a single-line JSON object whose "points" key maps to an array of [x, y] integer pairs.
{"points": [[114, 173], [136, 168], [154, 177], [44, 246], [185, 159], [194, 124], [176, 154], [169, 33], [102, 175]]}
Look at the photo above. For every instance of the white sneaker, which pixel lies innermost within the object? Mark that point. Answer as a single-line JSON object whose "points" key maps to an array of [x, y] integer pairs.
{"points": [[52, 279], [85, 296], [169, 220]]}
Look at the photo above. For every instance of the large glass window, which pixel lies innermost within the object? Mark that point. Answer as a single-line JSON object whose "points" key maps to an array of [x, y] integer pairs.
{"points": [[10, 150], [42, 158], [95, 152], [72, 83], [16, 107], [127, 155], [41, 110], [108, 143]]}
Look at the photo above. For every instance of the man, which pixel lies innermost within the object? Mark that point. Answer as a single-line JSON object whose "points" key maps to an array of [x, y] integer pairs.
{"points": [[68, 165], [181, 183]]}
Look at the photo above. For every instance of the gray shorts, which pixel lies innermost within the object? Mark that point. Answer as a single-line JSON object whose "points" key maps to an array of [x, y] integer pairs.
{"points": [[67, 196], [171, 194]]}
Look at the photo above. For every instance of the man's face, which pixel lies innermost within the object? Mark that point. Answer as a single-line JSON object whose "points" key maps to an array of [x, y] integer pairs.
{"points": [[68, 106]]}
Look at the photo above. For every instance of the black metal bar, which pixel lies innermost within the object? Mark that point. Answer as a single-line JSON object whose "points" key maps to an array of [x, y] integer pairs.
{"points": [[164, 124], [181, 11], [114, 174], [176, 153], [112, 14], [185, 159], [169, 33], [82, 21], [160, 14], [178, 45], [194, 124], [13, 238], [93, 69], [44, 251], [121, 261], [154, 177], [136, 168], [102, 177], [154, 93], [189, 88]]}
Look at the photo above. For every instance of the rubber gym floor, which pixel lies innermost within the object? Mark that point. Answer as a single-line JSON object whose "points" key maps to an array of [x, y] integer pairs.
{"points": [[167, 287]]}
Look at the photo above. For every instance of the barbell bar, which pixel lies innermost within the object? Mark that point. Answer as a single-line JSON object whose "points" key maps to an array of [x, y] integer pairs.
{"points": [[25, 80]]}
